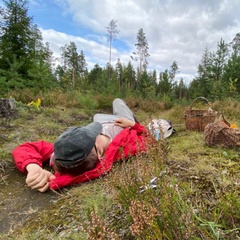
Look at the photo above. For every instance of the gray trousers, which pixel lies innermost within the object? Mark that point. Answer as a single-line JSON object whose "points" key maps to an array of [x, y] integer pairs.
{"points": [[120, 109]]}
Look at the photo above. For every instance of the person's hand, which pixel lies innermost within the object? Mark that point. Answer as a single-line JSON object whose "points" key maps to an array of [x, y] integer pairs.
{"points": [[38, 178], [124, 122]]}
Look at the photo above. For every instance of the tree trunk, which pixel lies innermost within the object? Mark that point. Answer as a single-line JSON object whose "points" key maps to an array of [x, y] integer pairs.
{"points": [[7, 107]]}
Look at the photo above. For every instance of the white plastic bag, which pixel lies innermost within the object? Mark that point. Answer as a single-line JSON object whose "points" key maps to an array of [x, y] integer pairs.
{"points": [[160, 128]]}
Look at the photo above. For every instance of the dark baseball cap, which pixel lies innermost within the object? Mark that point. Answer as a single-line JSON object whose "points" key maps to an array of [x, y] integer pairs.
{"points": [[74, 145]]}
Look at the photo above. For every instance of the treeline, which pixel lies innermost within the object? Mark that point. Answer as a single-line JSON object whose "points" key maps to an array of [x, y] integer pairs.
{"points": [[27, 62]]}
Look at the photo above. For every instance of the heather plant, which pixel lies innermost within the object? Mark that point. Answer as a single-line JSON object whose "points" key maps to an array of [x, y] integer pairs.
{"points": [[152, 201], [149, 199], [97, 228], [180, 189]]}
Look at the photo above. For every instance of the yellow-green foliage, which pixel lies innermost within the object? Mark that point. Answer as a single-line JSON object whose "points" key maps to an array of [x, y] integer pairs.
{"points": [[35, 104]]}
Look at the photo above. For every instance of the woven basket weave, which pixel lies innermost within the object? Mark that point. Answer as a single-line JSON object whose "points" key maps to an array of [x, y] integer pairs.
{"points": [[197, 119], [220, 133]]}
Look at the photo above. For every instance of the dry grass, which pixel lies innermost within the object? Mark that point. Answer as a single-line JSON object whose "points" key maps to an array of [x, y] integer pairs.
{"points": [[197, 192]]}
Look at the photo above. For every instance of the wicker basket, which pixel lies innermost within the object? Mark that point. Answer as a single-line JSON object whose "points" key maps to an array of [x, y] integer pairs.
{"points": [[197, 119], [220, 133]]}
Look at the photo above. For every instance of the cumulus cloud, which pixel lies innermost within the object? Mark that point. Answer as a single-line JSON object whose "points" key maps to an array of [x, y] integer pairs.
{"points": [[176, 30]]}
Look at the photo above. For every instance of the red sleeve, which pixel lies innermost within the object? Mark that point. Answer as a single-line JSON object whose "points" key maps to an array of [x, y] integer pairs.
{"points": [[140, 129], [31, 152]]}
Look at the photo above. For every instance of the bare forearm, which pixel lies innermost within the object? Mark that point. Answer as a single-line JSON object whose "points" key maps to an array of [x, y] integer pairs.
{"points": [[124, 122]]}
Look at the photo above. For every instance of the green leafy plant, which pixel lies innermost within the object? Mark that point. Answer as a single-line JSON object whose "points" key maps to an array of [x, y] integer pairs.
{"points": [[36, 104], [229, 155]]}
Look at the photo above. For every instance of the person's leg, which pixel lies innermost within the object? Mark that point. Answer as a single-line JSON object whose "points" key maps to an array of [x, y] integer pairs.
{"points": [[120, 108], [104, 118]]}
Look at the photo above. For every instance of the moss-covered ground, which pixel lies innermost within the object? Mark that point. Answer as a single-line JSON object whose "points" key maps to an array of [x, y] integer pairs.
{"points": [[197, 194]]}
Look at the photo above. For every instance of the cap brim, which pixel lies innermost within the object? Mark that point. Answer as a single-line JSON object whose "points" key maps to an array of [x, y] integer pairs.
{"points": [[94, 128]]}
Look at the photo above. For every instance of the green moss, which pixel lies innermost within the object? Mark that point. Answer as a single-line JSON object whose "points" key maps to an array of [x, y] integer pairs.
{"points": [[195, 183]]}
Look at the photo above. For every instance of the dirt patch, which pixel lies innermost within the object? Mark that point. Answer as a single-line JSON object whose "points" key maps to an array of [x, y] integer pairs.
{"points": [[18, 203]]}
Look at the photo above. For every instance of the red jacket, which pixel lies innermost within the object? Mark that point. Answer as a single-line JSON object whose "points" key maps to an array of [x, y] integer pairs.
{"points": [[127, 143]]}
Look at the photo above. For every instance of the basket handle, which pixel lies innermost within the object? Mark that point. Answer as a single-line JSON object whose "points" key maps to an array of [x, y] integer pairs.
{"points": [[222, 119], [198, 98]]}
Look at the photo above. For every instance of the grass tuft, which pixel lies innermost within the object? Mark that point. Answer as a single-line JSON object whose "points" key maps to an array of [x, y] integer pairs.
{"points": [[181, 189]]}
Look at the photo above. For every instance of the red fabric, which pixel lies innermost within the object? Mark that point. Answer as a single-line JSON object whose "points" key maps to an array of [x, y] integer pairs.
{"points": [[128, 142], [32, 152]]}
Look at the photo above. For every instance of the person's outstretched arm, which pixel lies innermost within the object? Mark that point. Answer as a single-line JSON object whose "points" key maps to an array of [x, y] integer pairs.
{"points": [[29, 158]]}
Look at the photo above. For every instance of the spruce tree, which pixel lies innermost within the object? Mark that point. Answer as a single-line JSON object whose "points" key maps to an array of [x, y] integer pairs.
{"points": [[16, 35], [21, 46]]}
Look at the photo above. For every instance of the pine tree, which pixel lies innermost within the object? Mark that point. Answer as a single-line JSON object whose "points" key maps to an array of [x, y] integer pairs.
{"points": [[218, 61], [112, 34], [74, 64], [174, 70], [119, 73], [95, 76], [236, 44], [165, 85], [202, 84], [141, 54], [130, 76], [231, 74]]}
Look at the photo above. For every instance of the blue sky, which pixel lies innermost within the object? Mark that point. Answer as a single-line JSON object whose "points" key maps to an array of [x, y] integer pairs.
{"points": [[176, 30], [49, 15]]}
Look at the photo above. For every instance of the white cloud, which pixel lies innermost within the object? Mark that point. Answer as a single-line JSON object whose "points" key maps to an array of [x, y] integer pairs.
{"points": [[176, 30]]}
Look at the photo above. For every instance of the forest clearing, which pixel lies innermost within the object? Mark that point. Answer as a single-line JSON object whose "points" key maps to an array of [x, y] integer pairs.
{"points": [[196, 187]]}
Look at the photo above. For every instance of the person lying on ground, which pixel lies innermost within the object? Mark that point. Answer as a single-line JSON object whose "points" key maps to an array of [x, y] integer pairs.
{"points": [[81, 154]]}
